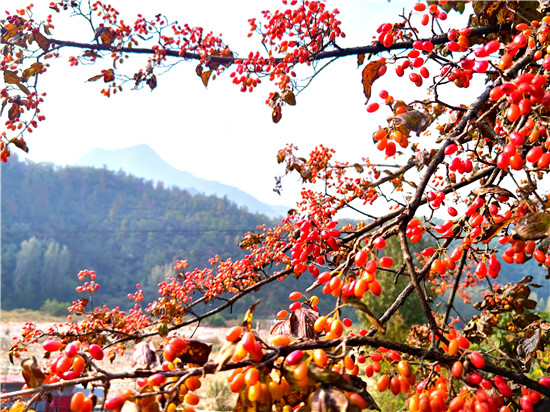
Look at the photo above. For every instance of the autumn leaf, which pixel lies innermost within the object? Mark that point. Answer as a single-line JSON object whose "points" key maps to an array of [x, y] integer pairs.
{"points": [[329, 399], [144, 356], [196, 352], [42, 41], [300, 324], [152, 82], [95, 78], [33, 375], [358, 304], [492, 189], [205, 76], [288, 97], [105, 34], [33, 70], [276, 115], [11, 78], [370, 74], [528, 345], [247, 322], [413, 120], [225, 354], [14, 112], [24, 88], [108, 75], [360, 59], [92, 54], [492, 231], [532, 226], [11, 30]]}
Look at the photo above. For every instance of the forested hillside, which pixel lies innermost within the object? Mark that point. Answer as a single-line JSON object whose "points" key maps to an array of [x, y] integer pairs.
{"points": [[57, 221]]}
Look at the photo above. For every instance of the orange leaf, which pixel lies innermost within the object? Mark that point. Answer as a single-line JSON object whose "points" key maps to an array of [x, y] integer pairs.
{"points": [[360, 59], [42, 41], [11, 78], [370, 74], [205, 76], [108, 36]]}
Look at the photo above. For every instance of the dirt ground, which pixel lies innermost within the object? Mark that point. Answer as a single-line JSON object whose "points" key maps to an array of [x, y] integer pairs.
{"points": [[214, 394]]}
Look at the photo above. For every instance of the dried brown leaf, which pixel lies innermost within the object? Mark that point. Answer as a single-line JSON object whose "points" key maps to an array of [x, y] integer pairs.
{"points": [[528, 346], [95, 78], [492, 189], [14, 112], [152, 82], [288, 97], [205, 76], [276, 115], [42, 41], [196, 352], [11, 78], [369, 75], [24, 88]]}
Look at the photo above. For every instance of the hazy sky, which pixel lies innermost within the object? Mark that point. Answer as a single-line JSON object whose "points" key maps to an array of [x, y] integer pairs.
{"points": [[217, 133]]}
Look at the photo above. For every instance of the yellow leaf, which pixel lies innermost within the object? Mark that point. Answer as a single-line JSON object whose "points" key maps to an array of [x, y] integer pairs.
{"points": [[11, 30], [11, 78], [370, 74], [247, 322], [36, 68]]}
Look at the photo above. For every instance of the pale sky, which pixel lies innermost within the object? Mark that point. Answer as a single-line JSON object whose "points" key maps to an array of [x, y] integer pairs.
{"points": [[217, 133]]}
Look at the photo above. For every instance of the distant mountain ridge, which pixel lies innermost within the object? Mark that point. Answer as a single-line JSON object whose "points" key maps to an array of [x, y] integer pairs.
{"points": [[142, 161]]}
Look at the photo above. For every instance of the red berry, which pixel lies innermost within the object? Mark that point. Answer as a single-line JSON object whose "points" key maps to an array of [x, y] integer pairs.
{"points": [[96, 351], [477, 360]]}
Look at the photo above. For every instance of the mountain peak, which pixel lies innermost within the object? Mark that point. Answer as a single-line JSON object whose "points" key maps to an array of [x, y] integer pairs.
{"points": [[142, 161]]}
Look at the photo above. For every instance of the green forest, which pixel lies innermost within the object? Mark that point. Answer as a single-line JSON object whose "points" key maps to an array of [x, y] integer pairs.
{"points": [[57, 221]]}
